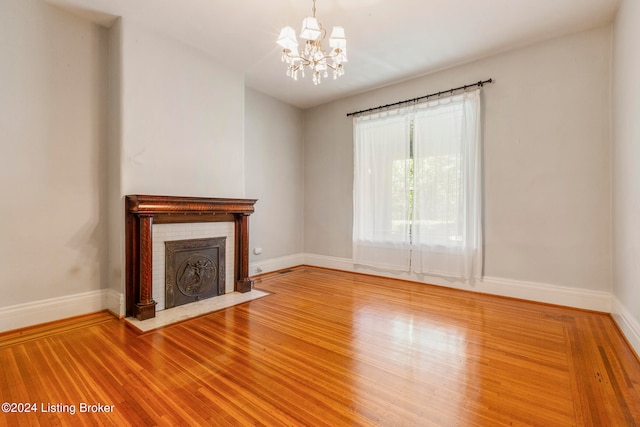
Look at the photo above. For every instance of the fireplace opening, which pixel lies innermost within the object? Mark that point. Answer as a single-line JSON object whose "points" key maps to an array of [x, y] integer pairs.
{"points": [[194, 270]]}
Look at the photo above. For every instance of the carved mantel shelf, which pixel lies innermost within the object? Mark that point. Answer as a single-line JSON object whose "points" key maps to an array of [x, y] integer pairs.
{"points": [[143, 211]]}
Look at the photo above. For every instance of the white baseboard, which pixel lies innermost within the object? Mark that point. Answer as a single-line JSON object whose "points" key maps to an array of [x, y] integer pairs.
{"points": [[275, 264], [49, 310], [43, 311], [552, 294], [114, 302], [531, 291], [33, 313], [344, 264], [629, 325]]}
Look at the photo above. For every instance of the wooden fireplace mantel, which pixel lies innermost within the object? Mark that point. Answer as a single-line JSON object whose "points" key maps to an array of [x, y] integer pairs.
{"points": [[143, 211]]}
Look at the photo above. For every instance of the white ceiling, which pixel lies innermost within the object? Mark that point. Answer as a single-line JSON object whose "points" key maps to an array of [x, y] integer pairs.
{"points": [[388, 40]]}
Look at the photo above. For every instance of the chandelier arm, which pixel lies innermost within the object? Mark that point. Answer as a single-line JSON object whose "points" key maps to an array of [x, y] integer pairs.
{"points": [[287, 52], [325, 56], [324, 33]]}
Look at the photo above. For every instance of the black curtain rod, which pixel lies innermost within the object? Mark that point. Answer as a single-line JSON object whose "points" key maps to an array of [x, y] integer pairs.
{"points": [[408, 101]]}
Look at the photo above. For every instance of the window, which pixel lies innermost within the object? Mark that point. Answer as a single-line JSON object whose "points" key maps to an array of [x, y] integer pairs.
{"points": [[417, 201]]}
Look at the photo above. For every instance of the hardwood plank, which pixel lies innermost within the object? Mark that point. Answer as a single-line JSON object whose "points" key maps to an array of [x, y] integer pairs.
{"points": [[333, 348], [16, 336]]}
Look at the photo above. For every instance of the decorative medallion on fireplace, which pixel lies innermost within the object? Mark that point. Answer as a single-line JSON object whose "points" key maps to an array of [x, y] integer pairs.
{"points": [[194, 270]]}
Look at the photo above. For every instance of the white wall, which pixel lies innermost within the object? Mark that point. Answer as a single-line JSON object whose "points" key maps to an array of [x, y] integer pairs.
{"points": [[89, 116], [52, 164], [546, 156], [115, 243], [626, 170], [274, 176], [182, 119], [176, 128]]}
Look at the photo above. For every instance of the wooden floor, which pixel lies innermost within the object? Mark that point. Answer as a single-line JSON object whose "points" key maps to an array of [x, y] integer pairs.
{"points": [[336, 349]]}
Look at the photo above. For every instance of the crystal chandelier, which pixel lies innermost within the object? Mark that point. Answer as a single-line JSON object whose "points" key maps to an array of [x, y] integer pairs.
{"points": [[313, 55]]}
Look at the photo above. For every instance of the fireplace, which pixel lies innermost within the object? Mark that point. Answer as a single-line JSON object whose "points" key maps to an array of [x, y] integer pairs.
{"points": [[143, 211]]}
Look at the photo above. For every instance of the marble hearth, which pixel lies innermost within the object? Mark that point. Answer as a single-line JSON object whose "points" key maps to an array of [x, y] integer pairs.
{"points": [[189, 311]]}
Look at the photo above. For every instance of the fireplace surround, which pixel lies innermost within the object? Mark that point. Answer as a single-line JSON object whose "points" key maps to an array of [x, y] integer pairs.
{"points": [[142, 211]]}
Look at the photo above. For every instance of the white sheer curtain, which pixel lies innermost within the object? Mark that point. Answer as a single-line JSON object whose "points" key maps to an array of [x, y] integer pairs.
{"points": [[381, 181], [417, 188], [447, 205]]}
